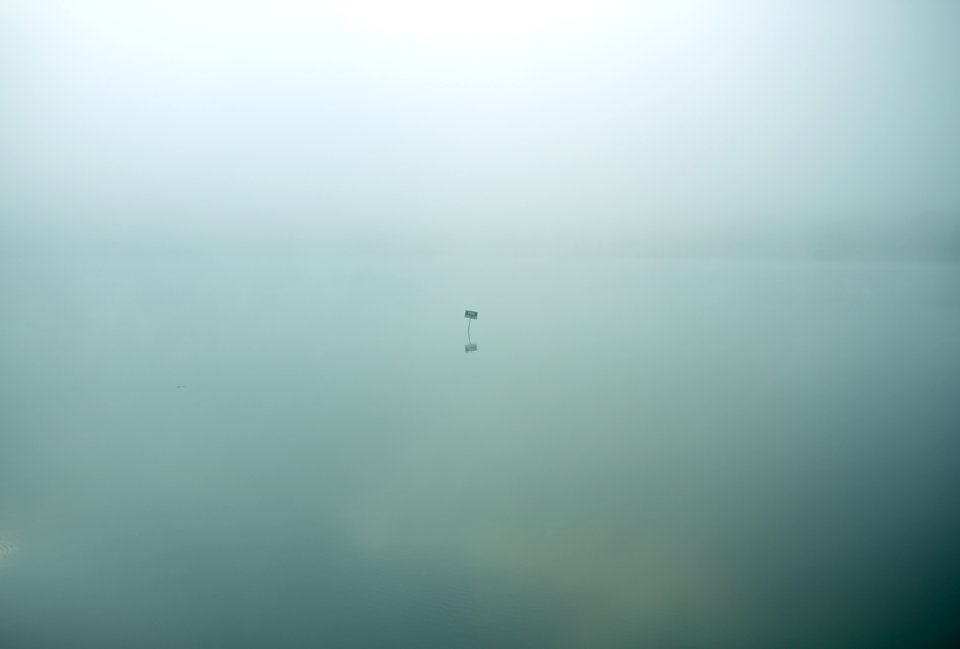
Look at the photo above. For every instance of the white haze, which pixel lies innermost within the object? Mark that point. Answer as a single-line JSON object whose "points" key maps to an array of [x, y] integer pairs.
{"points": [[651, 127]]}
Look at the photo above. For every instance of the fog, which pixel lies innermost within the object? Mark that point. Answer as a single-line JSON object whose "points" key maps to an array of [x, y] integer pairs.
{"points": [[708, 401], [630, 128]]}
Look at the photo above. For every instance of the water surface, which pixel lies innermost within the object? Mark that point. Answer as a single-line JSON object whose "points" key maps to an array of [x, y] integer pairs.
{"points": [[212, 452]]}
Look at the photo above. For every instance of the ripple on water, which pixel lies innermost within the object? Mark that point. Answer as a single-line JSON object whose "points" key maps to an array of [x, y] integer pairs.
{"points": [[8, 548]]}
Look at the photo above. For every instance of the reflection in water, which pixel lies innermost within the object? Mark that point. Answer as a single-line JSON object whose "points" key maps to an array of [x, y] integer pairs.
{"points": [[470, 346]]}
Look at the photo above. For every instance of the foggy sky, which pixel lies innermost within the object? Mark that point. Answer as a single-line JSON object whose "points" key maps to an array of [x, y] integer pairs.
{"points": [[656, 127]]}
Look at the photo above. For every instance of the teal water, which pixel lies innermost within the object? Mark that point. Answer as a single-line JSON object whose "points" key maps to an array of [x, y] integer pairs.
{"points": [[292, 453]]}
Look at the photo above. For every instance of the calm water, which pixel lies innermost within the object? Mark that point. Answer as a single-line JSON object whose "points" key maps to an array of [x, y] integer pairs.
{"points": [[296, 453]]}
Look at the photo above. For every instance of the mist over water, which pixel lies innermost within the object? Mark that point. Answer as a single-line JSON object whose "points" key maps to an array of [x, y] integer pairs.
{"points": [[652, 128], [713, 247]]}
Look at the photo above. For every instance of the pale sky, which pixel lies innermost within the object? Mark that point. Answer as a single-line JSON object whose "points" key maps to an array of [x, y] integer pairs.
{"points": [[437, 126]]}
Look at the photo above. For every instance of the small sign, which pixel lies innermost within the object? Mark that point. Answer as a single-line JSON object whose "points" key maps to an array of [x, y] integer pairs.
{"points": [[470, 314], [472, 347]]}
